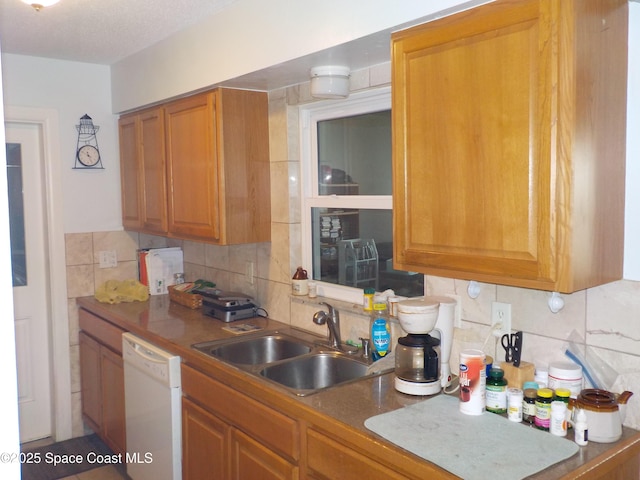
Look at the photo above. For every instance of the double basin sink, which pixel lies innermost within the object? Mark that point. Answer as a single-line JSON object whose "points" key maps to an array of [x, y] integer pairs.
{"points": [[293, 360]]}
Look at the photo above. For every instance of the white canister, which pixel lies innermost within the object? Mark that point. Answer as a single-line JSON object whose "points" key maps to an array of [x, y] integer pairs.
{"points": [[473, 380], [566, 375], [393, 305]]}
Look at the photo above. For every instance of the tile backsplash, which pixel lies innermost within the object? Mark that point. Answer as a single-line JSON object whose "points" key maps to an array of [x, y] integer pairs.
{"points": [[606, 317]]}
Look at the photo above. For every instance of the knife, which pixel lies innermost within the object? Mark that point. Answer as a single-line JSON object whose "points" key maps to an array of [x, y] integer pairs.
{"points": [[517, 349]]}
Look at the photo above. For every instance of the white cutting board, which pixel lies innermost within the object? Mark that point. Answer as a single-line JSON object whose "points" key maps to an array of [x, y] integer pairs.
{"points": [[472, 447]]}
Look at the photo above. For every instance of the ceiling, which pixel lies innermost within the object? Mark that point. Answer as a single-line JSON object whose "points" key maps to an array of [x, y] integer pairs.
{"points": [[93, 31]]}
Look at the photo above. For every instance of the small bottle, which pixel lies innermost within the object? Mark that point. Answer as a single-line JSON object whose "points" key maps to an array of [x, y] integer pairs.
{"points": [[543, 408], [558, 424], [496, 391], [514, 404], [380, 331], [529, 405], [563, 394], [581, 428], [367, 299], [300, 282], [313, 289]]}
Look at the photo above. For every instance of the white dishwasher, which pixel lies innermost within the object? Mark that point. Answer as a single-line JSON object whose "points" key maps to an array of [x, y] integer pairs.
{"points": [[152, 392]]}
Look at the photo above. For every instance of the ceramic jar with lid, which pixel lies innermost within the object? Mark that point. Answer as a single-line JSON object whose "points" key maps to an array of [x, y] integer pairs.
{"points": [[605, 413]]}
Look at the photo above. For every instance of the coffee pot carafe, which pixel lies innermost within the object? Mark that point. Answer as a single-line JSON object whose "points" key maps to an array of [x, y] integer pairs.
{"points": [[422, 356]]}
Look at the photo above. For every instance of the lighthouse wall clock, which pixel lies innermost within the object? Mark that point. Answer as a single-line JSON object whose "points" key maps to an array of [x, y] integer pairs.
{"points": [[87, 151]]}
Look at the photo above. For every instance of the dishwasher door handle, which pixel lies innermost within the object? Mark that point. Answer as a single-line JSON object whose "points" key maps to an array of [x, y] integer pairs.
{"points": [[145, 352]]}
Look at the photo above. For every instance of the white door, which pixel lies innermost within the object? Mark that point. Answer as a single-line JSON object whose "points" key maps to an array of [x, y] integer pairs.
{"points": [[30, 276]]}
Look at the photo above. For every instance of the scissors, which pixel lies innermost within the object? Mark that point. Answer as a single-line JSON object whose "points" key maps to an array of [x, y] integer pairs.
{"points": [[512, 344], [508, 341]]}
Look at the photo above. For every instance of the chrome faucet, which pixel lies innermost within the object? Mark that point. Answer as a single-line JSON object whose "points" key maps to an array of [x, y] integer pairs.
{"points": [[332, 319]]}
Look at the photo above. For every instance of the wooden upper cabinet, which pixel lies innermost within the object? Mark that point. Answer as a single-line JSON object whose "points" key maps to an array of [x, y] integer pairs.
{"points": [[509, 144], [192, 168], [203, 168], [143, 174], [128, 129]]}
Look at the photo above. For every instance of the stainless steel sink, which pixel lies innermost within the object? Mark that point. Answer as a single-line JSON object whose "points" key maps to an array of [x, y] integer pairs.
{"points": [[297, 361], [313, 372], [256, 351]]}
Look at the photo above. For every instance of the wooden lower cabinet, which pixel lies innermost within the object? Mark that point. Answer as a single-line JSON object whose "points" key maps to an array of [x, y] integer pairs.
{"points": [[205, 444], [113, 415], [227, 435], [252, 459], [102, 380], [328, 459]]}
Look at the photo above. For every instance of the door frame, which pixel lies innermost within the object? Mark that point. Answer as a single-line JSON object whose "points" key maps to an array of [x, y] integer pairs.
{"points": [[47, 120]]}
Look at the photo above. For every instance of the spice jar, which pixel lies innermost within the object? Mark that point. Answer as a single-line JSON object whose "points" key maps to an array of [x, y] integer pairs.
{"points": [[543, 408], [300, 282]]}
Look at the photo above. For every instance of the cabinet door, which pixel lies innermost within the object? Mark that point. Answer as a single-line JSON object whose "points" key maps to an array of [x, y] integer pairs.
{"points": [[205, 441], [154, 178], [91, 381], [130, 172], [194, 206], [329, 459], [251, 459], [472, 161], [113, 413]]}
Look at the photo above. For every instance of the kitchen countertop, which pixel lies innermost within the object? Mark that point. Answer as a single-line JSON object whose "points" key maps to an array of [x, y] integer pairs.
{"points": [[176, 328]]}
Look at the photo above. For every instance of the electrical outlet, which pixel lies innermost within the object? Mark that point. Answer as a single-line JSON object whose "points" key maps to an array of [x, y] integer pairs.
{"points": [[500, 318], [108, 258], [248, 272]]}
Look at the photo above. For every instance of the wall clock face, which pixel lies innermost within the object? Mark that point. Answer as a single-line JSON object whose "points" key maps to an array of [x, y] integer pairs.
{"points": [[88, 155]]}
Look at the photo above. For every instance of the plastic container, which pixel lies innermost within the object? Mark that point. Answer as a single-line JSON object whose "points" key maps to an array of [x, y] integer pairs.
{"points": [[393, 305], [496, 391], [515, 398], [543, 409], [563, 394], [367, 299], [473, 379], [313, 289], [581, 429], [565, 375], [418, 315], [380, 331], [558, 424], [529, 405]]}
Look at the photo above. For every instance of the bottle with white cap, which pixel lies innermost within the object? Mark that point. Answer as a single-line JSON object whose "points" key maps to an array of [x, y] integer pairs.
{"points": [[581, 428]]}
